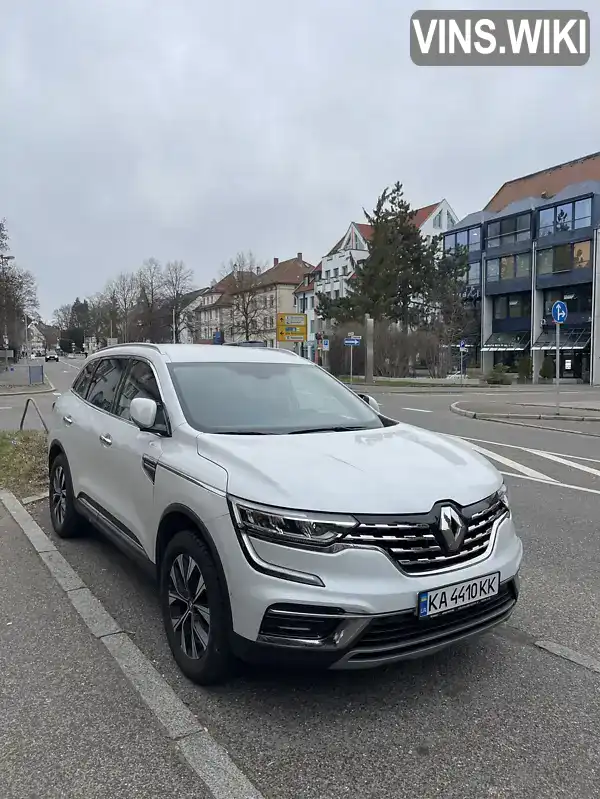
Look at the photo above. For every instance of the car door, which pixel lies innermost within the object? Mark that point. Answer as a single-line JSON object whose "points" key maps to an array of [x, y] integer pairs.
{"points": [[100, 400], [130, 456], [70, 422]]}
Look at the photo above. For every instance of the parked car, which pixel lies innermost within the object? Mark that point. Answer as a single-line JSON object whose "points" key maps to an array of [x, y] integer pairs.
{"points": [[287, 519], [52, 355]]}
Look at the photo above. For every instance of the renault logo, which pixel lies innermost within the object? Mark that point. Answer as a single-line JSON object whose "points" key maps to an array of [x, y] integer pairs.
{"points": [[452, 528]]}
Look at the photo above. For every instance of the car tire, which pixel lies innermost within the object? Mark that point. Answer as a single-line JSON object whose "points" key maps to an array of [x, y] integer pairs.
{"points": [[199, 640], [66, 522]]}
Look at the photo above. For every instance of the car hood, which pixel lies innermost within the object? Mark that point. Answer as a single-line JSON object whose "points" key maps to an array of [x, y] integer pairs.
{"points": [[399, 469]]}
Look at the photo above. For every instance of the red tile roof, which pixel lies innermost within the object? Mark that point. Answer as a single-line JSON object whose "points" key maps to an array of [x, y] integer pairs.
{"points": [[548, 181], [422, 214]]}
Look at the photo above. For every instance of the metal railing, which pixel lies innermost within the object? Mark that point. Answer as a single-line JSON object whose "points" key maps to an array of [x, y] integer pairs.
{"points": [[31, 401]]}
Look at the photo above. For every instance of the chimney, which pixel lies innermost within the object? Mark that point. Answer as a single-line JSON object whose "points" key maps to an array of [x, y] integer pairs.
{"points": [[299, 256], [275, 261]]}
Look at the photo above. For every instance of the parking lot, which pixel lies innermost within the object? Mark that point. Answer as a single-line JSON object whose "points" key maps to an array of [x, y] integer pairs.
{"points": [[514, 714]]}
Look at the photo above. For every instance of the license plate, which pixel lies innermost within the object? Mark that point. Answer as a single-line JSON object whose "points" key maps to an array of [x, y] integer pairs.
{"points": [[452, 597]]}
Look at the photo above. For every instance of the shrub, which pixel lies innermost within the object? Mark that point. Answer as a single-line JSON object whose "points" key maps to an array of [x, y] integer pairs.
{"points": [[498, 376], [524, 369], [548, 369]]}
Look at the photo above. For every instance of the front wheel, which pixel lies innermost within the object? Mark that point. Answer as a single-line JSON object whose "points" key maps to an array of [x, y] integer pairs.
{"points": [[195, 610]]}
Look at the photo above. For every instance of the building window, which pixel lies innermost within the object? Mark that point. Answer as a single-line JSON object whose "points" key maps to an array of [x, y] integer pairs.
{"points": [[500, 307], [327, 273], [437, 220], [474, 274], [577, 298], [336, 294], [568, 216], [344, 270], [492, 273], [311, 302], [512, 306], [509, 267], [509, 231], [336, 273], [564, 258], [469, 239], [450, 219]]}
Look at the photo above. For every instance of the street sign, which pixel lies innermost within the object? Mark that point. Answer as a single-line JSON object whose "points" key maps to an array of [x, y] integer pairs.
{"points": [[352, 342], [291, 327], [559, 312], [463, 346], [112, 342], [325, 344]]}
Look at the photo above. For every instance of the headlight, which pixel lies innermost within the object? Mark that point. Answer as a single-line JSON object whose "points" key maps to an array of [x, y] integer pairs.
{"points": [[290, 527], [503, 496]]}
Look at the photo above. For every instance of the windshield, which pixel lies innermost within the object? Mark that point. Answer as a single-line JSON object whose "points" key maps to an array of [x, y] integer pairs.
{"points": [[267, 398]]}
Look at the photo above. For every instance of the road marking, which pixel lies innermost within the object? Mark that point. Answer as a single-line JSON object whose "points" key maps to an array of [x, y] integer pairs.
{"points": [[564, 652], [5, 408], [550, 456], [208, 759], [518, 467], [417, 410], [523, 449], [553, 483]]}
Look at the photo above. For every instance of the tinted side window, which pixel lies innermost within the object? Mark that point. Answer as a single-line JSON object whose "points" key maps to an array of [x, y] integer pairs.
{"points": [[105, 381], [141, 382], [84, 378]]}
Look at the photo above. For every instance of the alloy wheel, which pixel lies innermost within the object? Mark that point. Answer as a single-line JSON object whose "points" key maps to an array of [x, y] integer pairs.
{"points": [[188, 606], [59, 495]]}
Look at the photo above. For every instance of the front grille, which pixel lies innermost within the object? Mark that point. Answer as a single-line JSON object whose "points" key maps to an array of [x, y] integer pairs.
{"points": [[405, 634], [415, 543]]}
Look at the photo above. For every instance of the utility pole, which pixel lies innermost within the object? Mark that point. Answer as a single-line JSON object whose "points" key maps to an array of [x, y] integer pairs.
{"points": [[174, 336]]}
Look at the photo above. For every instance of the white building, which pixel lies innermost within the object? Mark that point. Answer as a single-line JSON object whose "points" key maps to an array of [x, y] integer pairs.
{"points": [[337, 267]]}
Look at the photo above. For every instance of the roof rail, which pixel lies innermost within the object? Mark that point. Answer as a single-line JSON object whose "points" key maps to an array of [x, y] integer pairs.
{"points": [[131, 344]]}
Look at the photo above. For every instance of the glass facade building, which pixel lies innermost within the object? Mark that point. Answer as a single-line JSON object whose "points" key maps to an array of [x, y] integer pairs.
{"points": [[524, 258]]}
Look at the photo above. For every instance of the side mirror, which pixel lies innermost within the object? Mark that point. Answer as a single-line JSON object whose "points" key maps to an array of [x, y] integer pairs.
{"points": [[143, 412], [370, 401]]}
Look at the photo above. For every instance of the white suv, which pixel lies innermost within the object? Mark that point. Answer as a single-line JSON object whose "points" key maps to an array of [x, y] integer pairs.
{"points": [[286, 517]]}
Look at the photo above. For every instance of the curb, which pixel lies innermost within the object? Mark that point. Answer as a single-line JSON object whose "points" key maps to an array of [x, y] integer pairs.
{"points": [[493, 417], [209, 761], [48, 390]]}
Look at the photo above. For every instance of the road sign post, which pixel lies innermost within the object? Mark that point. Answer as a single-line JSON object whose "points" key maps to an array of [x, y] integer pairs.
{"points": [[559, 314], [462, 351], [351, 341]]}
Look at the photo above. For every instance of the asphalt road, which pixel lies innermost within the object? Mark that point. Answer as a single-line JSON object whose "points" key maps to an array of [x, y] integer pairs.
{"points": [[500, 717], [60, 374]]}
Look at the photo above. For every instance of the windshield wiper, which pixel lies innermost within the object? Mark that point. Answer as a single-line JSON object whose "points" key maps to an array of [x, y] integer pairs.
{"points": [[334, 429]]}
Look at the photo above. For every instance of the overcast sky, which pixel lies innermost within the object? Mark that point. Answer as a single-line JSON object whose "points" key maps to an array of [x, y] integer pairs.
{"points": [[190, 130]]}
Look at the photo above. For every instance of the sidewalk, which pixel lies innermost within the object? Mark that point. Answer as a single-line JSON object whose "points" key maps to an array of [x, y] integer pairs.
{"points": [[71, 725]]}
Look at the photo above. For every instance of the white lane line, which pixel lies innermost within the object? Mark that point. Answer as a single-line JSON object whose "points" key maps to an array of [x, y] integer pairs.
{"points": [[523, 449], [5, 408], [553, 483], [416, 410], [208, 759], [550, 456], [587, 662], [518, 467]]}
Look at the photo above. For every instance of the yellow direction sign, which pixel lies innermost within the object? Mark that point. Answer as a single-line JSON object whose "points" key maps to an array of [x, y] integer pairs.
{"points": [[291, 327]]}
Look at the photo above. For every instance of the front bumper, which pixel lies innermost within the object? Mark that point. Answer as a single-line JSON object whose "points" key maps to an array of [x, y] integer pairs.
{"points": [[373, 641], [361, 612]]}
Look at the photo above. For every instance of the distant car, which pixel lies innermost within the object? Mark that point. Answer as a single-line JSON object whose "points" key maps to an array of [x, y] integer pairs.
{"points": [[52, 356]]}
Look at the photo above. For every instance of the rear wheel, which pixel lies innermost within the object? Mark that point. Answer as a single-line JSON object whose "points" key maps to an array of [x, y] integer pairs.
{"points": [[66, 522], [195, 610]]}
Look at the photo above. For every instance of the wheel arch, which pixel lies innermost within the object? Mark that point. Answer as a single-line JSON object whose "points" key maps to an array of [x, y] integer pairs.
{"points": [[177, 517], [54, 450]]}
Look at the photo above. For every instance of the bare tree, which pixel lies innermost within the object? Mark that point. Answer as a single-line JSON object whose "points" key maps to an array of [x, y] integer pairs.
{"points": [[151, 283], [178, 281], [248, 310], [61, 317], [18, 290], [123, 294]]}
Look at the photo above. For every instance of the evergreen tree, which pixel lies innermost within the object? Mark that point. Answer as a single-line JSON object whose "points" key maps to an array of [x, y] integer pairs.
{"points": [[394, 281]]}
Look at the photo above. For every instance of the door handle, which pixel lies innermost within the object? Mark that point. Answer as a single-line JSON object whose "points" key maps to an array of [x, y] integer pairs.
{"points": [[106, 440], [67, 419]]}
